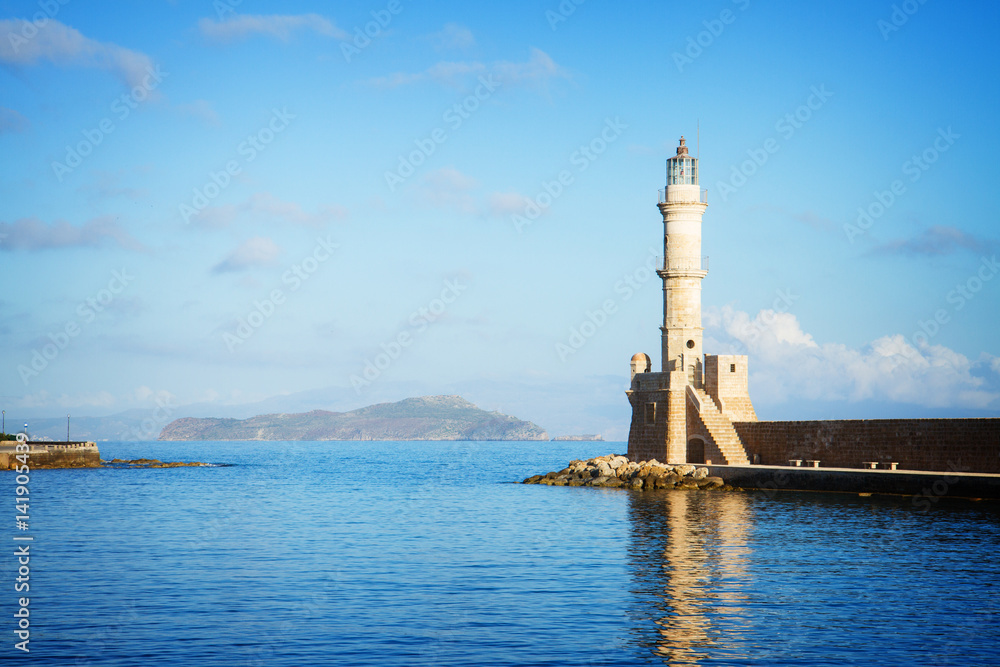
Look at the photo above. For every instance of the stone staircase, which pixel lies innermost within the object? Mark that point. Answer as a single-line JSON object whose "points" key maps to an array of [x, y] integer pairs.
{"points": [[720, 428]]}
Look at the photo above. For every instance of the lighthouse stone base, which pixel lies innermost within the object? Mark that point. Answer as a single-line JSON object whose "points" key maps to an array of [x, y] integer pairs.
{"points": [[676, 421]]}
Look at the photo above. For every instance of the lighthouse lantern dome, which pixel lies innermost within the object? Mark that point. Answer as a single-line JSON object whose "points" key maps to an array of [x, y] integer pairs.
{"points": [[682, 169]]}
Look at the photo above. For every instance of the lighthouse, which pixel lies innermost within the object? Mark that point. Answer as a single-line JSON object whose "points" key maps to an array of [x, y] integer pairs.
{"points": [[686, 412], [682, 204]]}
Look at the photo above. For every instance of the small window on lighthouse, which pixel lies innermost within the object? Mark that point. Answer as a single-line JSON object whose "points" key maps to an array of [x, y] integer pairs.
{"points": [[732, 368], [690, 344]]}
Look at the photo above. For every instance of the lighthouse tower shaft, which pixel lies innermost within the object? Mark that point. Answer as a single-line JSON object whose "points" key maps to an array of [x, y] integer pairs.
{"points": [[682, 204]]}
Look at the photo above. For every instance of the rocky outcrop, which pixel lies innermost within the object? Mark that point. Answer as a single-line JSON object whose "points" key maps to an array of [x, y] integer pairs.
{"points": [[615, 471], [150, 463]]}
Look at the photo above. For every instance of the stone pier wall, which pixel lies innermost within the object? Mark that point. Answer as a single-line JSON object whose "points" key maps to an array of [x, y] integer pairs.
{"points": [[915, 444], [926, 488], [51, 455]]}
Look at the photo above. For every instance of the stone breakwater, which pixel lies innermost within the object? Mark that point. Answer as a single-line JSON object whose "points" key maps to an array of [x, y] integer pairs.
{"points": [[149, 463], [615, 471]]}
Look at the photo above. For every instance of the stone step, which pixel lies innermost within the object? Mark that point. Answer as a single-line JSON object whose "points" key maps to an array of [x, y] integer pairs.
{"points": [[721, 429]]}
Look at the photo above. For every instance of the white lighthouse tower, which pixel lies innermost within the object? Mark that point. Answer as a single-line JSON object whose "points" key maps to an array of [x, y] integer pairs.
{"points": [[682, 204], [686, 412]]}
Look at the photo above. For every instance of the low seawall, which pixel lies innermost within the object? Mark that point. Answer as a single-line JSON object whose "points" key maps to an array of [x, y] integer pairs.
{"points": [[51, 455], [925, 487], [966, 445]]}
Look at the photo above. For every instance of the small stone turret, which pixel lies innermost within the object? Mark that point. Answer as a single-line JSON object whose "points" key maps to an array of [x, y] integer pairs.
{"points": [[640, 364]]}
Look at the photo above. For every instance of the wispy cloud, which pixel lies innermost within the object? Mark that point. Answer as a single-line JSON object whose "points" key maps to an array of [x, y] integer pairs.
{"points": [[243, 26], [537, 73], [12, 122], [449, 188], [508, 203], [938, 240], [108, 184], [64, 46], [815, 220], [32, 234], [258, 251], [453, 36], [265, 207], [202, 109], [809, 218]]}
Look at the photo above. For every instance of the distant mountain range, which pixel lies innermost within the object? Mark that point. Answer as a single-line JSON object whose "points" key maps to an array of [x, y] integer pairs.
{"points": [[581, 405], [425, 418]]}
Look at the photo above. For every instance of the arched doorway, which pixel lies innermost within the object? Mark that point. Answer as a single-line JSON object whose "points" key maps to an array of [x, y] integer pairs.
{"points": [[696, 449]]}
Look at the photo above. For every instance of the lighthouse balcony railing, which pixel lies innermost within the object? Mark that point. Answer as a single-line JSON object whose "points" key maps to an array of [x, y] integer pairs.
{"points": [[702, 196], [682, 264]]}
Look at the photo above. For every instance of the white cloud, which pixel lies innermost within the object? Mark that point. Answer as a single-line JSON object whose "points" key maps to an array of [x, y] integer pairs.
{"points": [[61, 45], [787, 364], [449, 188], [446, 73], [453, 36], [258, 251], [110, 184], [266, 207], [451, 179], [202, 109], [266, 204], [537, 73], [508, 203], [937, 240], [33, 234], [242, 26]]}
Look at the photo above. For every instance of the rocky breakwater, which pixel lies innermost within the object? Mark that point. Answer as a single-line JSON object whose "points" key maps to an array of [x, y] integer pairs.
{"points": [[149, 463], [618, 472]]}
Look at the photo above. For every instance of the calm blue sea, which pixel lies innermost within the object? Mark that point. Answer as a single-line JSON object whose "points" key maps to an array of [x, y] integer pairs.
{"points": [[406, 553]]}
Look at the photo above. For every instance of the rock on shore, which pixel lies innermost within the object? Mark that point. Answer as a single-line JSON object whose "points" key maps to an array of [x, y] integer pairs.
{"points": [[615, 471]]}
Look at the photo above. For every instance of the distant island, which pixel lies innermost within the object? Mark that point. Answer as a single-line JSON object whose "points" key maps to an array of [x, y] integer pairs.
{"points": [[424, 418], [578, 438]]}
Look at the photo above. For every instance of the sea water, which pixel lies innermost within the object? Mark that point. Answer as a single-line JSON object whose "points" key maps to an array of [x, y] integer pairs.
{"points": [[429, 553]]}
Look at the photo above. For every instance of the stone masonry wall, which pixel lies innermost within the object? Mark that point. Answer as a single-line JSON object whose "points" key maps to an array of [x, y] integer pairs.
{"points": [[727, 383], [968, 445], [648, 441], [677, 422], [52, 455]]}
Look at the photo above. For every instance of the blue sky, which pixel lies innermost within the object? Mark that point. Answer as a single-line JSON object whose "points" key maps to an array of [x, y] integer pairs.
{"points": [[258, 201]]}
